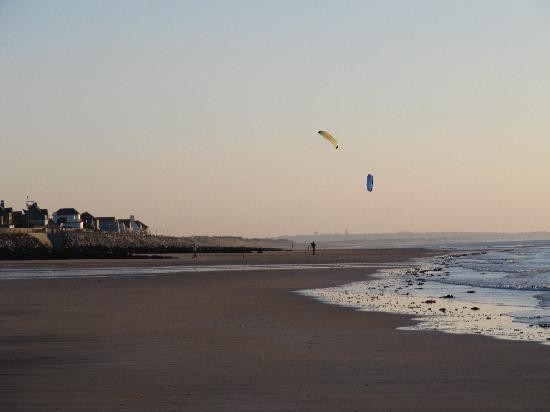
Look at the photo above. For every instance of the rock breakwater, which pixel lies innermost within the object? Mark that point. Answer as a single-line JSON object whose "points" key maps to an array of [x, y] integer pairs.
{"points": [[21, 246], [90, 244]]}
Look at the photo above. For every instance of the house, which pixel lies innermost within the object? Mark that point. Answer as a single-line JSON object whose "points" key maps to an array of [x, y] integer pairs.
{"points": [[18, 219], [6, 215], [108, 224], [132, 225], [90, 221], [68, 218], [143, 228], [34, 216]]}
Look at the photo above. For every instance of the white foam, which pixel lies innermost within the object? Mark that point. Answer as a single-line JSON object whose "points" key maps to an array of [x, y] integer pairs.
{"points": [[394, 292]]}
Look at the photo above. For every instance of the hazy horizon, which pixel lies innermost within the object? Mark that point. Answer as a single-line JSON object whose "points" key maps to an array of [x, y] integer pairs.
{"points": [[202, 117]]}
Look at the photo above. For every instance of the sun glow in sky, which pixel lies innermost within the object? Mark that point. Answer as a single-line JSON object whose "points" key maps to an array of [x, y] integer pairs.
{"points": [[202, 117]]}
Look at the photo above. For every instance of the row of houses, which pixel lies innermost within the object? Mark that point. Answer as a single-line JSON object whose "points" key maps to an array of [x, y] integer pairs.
{"points": [[65, 219], [33, 216]]}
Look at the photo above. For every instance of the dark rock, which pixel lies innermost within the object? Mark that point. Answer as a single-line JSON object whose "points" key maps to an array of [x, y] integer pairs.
{"points": [[447, 297], [22, 246], [92, 244], [474, 308]]}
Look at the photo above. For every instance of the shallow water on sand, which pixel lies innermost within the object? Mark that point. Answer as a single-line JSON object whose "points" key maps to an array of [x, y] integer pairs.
{"points": [[499, 292], [73, 272]]}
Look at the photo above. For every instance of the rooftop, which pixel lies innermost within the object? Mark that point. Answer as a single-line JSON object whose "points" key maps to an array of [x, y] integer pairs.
{"points": [[67, 211]]}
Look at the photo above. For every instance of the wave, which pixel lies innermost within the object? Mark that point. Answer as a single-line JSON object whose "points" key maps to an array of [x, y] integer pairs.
{"points": [[496, 285]]}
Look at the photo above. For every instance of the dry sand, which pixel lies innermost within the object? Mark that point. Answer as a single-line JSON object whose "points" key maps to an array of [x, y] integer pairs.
{"points": [[243, 341]]}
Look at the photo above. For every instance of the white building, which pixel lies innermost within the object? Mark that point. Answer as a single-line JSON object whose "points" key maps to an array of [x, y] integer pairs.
{"points": [[132, 225], [68, 218]]}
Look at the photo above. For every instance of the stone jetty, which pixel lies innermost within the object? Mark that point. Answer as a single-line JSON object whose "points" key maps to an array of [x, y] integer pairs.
{"points": [[94, 244]]}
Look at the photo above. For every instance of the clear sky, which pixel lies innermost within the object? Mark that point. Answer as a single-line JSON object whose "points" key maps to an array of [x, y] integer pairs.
{"points": [[201, 117]]}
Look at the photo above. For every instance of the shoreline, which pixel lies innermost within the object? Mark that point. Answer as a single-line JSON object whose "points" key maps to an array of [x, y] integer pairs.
{"points": [[420, 291], [244, 341]]}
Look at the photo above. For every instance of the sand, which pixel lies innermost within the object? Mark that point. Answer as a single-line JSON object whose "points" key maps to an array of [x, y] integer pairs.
{"points": [[243, 341]]}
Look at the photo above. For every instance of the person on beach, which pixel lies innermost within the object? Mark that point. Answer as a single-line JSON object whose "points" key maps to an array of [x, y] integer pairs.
{"points": [[313, 244], [195, 250]]}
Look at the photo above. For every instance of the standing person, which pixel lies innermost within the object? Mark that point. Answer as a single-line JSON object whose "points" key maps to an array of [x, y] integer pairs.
{"points": [[195, 250], [313, 244]]}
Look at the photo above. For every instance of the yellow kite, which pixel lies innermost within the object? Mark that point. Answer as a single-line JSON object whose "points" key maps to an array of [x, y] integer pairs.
{"points": [[329, 137]]}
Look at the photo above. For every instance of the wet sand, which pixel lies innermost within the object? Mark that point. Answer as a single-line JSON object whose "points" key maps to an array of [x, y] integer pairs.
{"points": [[243, 341]]}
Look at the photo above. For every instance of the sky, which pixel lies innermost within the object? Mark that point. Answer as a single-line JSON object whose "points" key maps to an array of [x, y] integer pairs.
{"points": [[201, 117]]}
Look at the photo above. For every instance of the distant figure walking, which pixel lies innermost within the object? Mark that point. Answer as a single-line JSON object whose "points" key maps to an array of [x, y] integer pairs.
{"points": [[313, 244], [195, 250]]}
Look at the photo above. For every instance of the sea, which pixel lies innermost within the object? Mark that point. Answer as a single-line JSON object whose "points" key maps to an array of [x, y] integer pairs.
{"points": [[497, 289]]}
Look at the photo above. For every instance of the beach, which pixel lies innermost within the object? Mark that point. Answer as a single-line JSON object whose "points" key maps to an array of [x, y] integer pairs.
{"points": [[243, 340]]}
